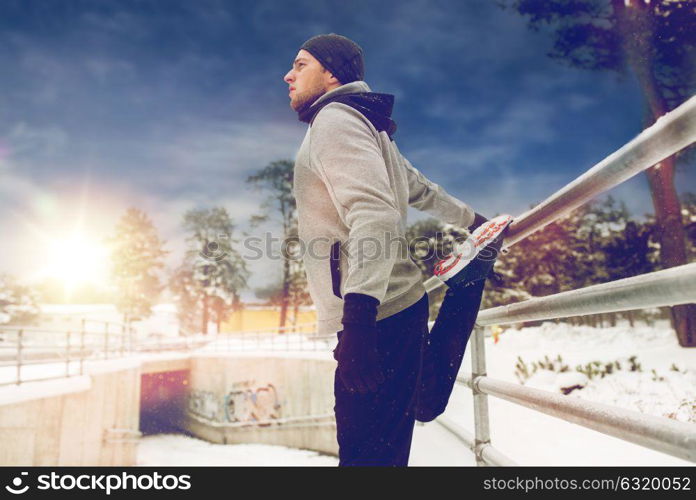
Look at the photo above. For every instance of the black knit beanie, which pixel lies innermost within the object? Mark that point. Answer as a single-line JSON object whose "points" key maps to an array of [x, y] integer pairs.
{"points": [[338, 54]]}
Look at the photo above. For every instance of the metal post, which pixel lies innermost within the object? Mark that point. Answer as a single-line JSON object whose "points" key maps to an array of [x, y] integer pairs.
{"points": [[478, 369], [20, 334], [131, 338], [123, 339], [106, 340], [67, 354], [82, 345]]}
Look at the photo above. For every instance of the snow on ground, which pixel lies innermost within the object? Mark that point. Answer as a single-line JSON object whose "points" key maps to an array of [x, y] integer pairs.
{"points": [[178, 450], [656, 348], [433, 445], [164, 450], [532, 438], [526, 436]]}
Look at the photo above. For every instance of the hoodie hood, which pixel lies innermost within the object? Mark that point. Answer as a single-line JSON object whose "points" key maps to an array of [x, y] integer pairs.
{"points": [[375, 106]]}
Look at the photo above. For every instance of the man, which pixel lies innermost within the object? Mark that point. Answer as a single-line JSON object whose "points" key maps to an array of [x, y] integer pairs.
{"points": [[353, 188]]}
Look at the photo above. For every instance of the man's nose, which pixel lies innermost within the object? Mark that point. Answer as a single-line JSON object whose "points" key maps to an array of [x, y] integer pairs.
{"points": [[287, 76]]}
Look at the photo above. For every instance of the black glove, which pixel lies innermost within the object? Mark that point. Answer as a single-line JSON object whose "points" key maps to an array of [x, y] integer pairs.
{"points": [[358, 361], [479, 220]]}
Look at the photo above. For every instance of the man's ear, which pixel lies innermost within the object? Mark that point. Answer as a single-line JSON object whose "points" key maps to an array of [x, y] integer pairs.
{"points": [[333, 79]]}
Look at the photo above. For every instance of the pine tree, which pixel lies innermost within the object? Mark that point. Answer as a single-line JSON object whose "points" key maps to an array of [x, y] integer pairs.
{"points": [[188, 295], [136, 255], [217, 269]]}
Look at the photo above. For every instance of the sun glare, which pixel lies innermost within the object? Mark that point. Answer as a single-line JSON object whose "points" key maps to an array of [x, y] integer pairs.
{"points": [[77, 260]]}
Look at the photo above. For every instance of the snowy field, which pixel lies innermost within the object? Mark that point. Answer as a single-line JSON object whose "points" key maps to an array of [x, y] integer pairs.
{"points": [[533, 438], [178, 450]]}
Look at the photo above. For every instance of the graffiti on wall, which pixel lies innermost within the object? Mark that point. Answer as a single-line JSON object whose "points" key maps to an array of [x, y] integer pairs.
{"points": [[246, 402], [252, 404], [204, 404]]}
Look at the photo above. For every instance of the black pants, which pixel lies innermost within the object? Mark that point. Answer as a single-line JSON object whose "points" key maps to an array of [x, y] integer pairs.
{"points": [[376, 428]]}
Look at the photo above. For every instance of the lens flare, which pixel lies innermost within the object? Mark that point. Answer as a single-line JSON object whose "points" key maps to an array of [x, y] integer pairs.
{"points": [[77, 260]]}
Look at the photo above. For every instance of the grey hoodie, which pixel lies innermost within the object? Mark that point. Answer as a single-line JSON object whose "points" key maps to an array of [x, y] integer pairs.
{"points": [[353, 188]]}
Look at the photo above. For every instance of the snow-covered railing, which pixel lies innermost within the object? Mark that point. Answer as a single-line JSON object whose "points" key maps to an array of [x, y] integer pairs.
{"points": [[668, 135], [658, 433], [292, 328], [667, 287], [22, 347], [268, 341]]}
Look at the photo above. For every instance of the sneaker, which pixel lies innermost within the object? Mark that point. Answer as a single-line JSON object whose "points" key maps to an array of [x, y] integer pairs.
{"points": [[473, 259], [465, 275]]}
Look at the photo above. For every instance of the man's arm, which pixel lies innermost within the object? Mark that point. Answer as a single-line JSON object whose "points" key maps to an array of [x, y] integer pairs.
{"points": [[347, 157], [430, 197]]}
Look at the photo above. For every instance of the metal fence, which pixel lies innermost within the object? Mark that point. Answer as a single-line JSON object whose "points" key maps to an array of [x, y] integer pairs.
{"points": [[33, 354]]}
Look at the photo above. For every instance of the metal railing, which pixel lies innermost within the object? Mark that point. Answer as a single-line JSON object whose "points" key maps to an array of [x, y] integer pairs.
{"points": [[671, 133], [668, 135], [59, 353], [37, 354]]}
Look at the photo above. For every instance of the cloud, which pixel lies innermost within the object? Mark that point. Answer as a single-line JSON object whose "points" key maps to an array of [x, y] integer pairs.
{"points": [[522, 121], [23, 140], [456, 164]]}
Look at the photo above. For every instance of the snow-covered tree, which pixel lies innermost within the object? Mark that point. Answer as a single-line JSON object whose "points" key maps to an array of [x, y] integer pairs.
{"points": [[137, 254], [18, 302], [188, 296], [654, 41], [218, 271], [277, 179]]}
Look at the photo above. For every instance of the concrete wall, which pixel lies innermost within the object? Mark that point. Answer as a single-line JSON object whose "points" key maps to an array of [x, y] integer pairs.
{"points": [[94, 419], [86, 420], [230, 394]]}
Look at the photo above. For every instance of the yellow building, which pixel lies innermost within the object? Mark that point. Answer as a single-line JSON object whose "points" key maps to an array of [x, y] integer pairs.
{"points": [[254, 317]]}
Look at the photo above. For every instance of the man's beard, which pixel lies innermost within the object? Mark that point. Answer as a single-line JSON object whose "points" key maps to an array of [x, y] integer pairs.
{"points": [[307, 98]]}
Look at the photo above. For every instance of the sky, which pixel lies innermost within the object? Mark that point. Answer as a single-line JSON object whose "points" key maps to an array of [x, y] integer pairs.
{"points": [[171, 105]]}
